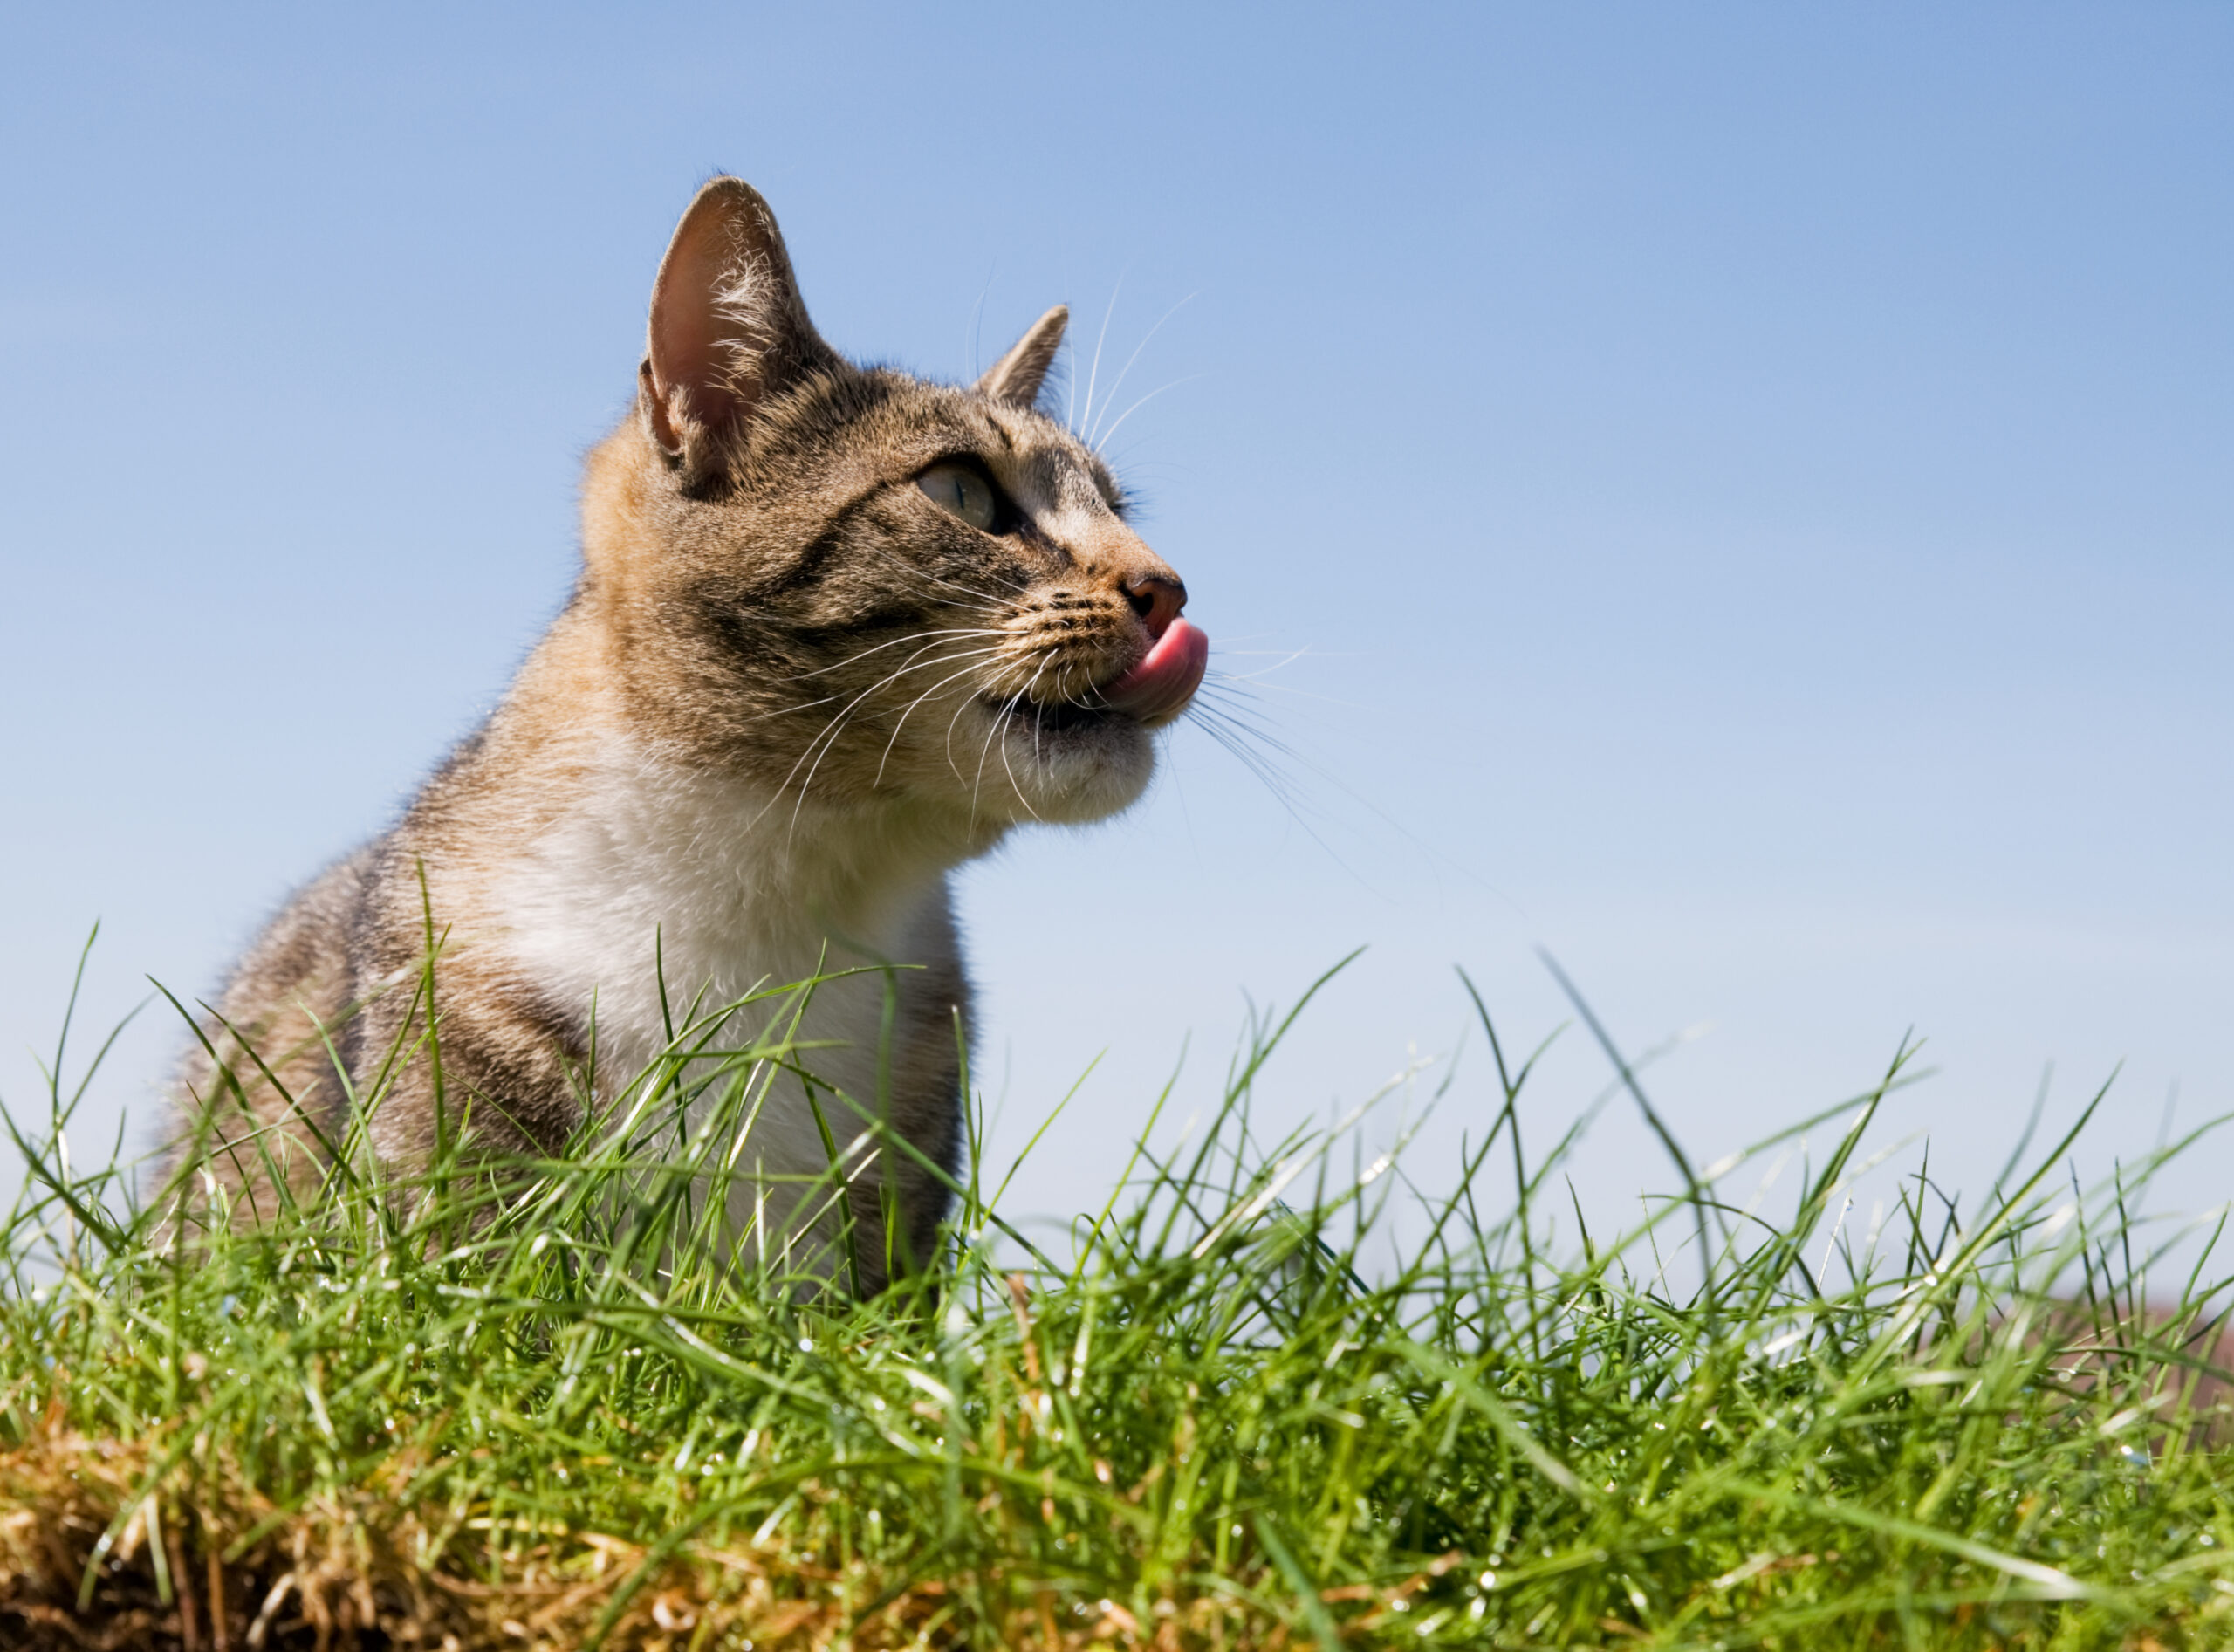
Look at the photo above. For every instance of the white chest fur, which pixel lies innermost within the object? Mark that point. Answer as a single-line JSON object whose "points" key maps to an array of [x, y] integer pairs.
{"points": [[655, 872]]}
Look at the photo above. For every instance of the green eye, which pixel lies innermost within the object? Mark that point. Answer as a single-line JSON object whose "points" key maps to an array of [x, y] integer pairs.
{"points": [[962, 491]]}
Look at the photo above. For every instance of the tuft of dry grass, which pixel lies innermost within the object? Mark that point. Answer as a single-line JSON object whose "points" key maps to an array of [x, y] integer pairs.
{"points": [[116, 1547]]}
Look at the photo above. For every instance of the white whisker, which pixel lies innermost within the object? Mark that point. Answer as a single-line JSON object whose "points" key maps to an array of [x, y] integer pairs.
{"points": [[1151, 396], [828, 735], [910, 712], [1095, 369], [1119, 382], [897, 642], [1000, 722]]}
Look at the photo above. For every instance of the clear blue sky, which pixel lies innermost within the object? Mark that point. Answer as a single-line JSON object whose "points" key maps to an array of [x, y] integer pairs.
{"points": [[1752, 489]]}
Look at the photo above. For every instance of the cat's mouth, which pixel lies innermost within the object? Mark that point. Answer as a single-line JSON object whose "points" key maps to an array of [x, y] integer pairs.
{"points": [[1054, 717], [1160, 687], [1148, 694]]}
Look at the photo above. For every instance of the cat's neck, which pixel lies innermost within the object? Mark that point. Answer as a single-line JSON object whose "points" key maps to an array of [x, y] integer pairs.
{"points": [[707, 848], [606, 864]]}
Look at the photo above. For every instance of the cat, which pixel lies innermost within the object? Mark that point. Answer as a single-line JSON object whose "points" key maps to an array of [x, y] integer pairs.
{"points": [[838, 630]]}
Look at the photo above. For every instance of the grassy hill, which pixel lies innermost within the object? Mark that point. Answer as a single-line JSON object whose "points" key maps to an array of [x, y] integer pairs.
{"points": [[423, 1415]]}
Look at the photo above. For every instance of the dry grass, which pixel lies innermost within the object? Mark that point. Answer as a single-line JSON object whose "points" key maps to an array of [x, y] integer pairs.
{"points": [[204, 1562]]}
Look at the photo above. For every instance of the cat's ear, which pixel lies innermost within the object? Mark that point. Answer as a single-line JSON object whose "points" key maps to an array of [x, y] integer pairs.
{"points": [[728, 325], [1016, 378]]}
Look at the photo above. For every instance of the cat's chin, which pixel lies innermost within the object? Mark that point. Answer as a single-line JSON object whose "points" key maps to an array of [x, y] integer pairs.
{"points": [[1068, 770]]}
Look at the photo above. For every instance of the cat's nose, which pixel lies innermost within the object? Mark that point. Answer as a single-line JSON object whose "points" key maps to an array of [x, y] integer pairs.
{"points": [[1156, 600]]}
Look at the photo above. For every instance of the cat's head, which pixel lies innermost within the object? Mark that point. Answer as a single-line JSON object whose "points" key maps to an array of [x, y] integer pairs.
{"points": [[849, 583]]}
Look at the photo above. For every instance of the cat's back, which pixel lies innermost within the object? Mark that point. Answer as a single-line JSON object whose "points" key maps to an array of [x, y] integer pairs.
{"points": [[289, 1001]]}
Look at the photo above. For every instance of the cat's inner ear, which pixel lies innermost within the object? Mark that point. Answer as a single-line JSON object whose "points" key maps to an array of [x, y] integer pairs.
{"points": [[1016, 378], [728, 325]]}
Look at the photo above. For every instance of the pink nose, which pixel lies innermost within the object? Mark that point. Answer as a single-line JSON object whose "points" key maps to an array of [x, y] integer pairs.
{"points": [[1156, 600]]}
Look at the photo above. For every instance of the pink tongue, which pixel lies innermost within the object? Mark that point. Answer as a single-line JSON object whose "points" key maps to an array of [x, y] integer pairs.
{"points": [[1158, 687]]}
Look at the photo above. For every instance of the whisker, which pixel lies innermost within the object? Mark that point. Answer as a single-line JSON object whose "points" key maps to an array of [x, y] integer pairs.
{"points": [[837, 726], [913, 636], [1283, 659], [1151, 396], [830, 729], [1245, 687], [1096, 367], [785, 711], [1240, 734], [1119, 382], [977, 314], [910, 712], [1000, 722], [1037, 711], [1237, 720], [1235, 740], [1015, 785], [955, 585], [951, 763], [948, 741]]}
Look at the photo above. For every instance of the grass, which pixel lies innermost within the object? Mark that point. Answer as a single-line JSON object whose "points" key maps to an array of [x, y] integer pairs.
{"points": [[420, 1414]]}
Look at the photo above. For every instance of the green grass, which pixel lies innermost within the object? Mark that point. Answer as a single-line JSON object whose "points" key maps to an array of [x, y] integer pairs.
{"points": [[420, 1414]]}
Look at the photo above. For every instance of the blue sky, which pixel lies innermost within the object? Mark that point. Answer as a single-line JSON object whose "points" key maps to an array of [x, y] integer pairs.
{"points": [[1749, 490]]}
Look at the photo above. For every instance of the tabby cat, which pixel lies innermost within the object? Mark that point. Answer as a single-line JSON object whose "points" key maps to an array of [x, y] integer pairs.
{"points": [[838, 630]]}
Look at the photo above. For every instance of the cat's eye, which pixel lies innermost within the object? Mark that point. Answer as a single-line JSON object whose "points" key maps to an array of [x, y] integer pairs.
{"points": [[958, 488]]}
